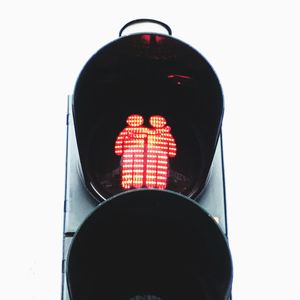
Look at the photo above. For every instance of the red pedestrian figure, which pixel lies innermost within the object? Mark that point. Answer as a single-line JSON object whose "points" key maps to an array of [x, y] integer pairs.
{"points": [[145, 152], [131, 145], [160, 146]]}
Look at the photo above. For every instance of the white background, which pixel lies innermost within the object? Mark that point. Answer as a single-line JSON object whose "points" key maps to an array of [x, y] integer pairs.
{"points": [[254, 48]]}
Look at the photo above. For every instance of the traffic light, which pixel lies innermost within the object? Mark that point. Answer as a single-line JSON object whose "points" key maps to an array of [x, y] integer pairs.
{"points": [[145, 210]]}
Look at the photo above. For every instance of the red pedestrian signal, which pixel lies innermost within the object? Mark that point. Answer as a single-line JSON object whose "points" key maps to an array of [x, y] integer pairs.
{"points": [[162, 77], [145, 152]]}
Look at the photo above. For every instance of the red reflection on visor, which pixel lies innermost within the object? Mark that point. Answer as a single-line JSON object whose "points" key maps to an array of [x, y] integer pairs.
{"points": [[145, 152], [178, 76]]}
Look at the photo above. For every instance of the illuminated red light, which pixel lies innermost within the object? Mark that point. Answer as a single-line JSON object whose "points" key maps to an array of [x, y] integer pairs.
{"points": [[146, 38], [145, 152], [159, 38]]}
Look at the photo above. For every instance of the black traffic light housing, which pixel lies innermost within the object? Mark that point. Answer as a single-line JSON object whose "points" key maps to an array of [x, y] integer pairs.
{"points": [[169, 244]]}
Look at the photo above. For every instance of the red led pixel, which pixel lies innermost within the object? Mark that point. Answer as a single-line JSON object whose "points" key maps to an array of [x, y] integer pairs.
{"points": [[145, 152], [146, 38]]}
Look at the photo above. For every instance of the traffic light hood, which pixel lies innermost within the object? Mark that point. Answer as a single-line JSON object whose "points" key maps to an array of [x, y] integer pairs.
{"points": [[147, 74]]}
